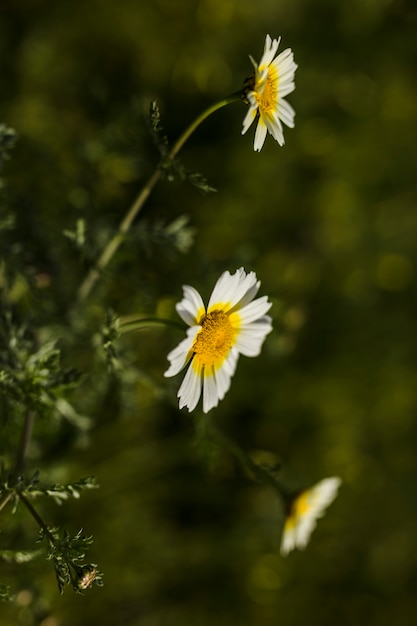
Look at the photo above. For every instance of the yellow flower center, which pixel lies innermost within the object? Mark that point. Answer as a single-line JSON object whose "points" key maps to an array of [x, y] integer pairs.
{"points": [[268, 98], [213, 342], [302, 504], [299, 508]]}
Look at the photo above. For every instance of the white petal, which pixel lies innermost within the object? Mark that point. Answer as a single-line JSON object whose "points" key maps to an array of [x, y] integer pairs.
{"points": [[229, 366], [221, 289], [191, 306], [179, 356], [249, 117], [324, 493], [275, 128], [223, 381], [287, 541], [244, 290], [286, 113], [190, 391], [249, 343], [210, 394], [260, 135], [284, 60], [254, 310], [251, 292], [270, 49], [231, 288]]}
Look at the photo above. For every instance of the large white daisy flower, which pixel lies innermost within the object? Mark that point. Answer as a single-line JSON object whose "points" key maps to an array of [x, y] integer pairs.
{"points": [[234, 323], [273, 80], [303, 512]]}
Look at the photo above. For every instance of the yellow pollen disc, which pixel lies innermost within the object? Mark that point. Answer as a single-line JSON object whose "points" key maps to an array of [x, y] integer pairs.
{"points": [[214, 341], [268, 99]]}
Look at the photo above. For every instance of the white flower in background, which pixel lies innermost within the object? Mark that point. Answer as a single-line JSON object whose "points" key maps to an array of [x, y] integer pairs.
{"points": [[234, 323], [265, 92], [304, 511]]}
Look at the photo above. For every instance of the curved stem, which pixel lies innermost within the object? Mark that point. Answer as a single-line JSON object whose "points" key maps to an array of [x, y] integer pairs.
{"points": [[128, 325], [36, 516], [108, 252], [20, 457], [234, 97], [261, 474]]}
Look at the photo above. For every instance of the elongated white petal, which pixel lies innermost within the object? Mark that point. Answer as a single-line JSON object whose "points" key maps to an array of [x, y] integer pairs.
{"points": [[270, 50], [210, 394], [229, 366], [247, 297], [223, 380], [288, 542], [249, 117], [190, 306], [249, 344], [254, 310], [260, 135], [190, 391], [245, 290], [275, 128], [286, 113], [231, 288], [180, 355]]}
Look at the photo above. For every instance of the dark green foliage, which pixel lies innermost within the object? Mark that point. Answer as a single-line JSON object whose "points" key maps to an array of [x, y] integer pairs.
{"points": [[31, 376], [156, 129], [19, 556], [59, 493], [161, 237], [5, 593], [110, 333], [172, 167], [67, 554], [78, 237], [7, 141]]}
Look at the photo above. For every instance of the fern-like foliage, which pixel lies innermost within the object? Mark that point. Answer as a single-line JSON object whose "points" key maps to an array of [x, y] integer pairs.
{"points": [[67, 555], [60, 493]]}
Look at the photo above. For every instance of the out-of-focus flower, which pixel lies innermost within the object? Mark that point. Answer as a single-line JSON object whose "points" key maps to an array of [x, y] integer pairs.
{"points": [[304, 510], [265, 92], [234, 323]]}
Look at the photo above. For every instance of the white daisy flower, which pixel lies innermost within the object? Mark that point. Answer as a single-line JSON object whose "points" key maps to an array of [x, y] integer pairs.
{"points": [[304, 510], [273, 80], [234, 323]]}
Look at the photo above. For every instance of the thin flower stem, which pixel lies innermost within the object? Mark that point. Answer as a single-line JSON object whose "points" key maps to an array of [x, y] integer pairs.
{"points": [[260, 474], [36, 516], [108, 252], [128, 325], [5, 498], [24, 444], [20, 457], [235, 97]]}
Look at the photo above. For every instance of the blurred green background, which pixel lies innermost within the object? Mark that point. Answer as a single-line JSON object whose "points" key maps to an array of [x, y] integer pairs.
{"points": [[329, 224]]}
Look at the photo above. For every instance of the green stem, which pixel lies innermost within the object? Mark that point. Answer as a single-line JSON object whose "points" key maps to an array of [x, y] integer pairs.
{"points": [[24, 445], [261, 474], [36, 516], [20, 457], [5, 498], [234, 97], [128, 325], [112, 246]]}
